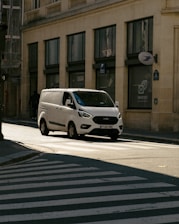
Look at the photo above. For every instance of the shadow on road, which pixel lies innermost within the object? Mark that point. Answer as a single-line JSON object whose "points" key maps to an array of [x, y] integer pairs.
{"points": [[91, 139], [8, 148], [53, 188], [86, 162]]}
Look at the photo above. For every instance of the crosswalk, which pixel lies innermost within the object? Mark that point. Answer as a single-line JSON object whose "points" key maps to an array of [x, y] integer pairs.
{"points": [[52, 189], [69, 145]]}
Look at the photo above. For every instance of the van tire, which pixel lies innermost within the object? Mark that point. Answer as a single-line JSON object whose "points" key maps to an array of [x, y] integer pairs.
{"points": [[114, 137], [43, 128], [72, 133]]}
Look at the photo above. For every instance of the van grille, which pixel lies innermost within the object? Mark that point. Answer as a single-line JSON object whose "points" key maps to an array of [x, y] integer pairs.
{"points": [[105, 120]]}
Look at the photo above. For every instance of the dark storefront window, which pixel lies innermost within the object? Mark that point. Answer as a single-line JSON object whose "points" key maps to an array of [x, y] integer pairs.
{"points": [[52, 63], [77, 80], [140, 87], [139, 39], [106, 82], [76, 60], [105, 50]]}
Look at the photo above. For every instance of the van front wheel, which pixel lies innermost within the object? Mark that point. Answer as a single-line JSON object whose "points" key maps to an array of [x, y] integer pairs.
{"points": [[43, 128], [72, 133], [114, 137]]}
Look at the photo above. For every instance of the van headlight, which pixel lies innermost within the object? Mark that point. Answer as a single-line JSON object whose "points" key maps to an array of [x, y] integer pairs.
{"points": [[84, 114]]}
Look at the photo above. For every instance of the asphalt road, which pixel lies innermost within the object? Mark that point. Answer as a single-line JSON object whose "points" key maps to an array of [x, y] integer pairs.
{"points": [[150, 156], [93, 180]]}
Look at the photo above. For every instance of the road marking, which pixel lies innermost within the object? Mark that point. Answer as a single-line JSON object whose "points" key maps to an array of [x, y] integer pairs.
{"points": [[84, 190], [69, 183], [161, 219], [45, 172], [56, 191], [84, 200], [89, 211], [61, 176]]}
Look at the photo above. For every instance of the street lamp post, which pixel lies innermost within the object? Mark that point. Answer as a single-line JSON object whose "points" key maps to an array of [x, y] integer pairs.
{"points": [[3, 28]]}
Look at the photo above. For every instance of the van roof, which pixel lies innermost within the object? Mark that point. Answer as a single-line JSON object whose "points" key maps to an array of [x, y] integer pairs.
{"points": [[71, 90]]}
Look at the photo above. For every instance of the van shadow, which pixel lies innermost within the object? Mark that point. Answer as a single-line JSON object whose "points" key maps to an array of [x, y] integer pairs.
{"points": [[91, 138], [107, 166]]}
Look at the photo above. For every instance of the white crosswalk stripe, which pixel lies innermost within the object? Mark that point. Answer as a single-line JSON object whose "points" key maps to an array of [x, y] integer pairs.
{"points": [[52, 191], [87, 147]]}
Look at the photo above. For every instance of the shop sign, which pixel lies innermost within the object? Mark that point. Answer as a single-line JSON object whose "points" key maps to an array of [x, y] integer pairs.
{"points": [[146, 58], [102, 68]]}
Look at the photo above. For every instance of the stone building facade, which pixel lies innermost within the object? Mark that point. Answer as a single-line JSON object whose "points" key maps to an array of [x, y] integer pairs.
{"points": [[10, 14], [96, 44]]}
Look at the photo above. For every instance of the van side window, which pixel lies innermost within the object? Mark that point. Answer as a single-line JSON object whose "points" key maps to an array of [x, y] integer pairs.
{"points": [[67, 100]]}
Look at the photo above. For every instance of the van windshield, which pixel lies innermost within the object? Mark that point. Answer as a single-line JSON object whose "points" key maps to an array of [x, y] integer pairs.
{"points": [[93, 99]]}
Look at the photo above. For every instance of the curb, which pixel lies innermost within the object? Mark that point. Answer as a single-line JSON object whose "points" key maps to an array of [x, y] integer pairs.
{"points": [[151, 138]]}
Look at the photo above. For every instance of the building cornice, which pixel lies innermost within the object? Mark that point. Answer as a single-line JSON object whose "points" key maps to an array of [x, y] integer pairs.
{"points": [[76, 12]]}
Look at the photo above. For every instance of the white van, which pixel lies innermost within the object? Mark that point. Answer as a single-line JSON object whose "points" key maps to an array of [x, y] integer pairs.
{"points": [[79, 112]]}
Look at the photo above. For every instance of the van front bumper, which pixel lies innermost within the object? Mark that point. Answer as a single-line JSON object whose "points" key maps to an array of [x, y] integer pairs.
{"points": [[101, 130], [104, 132]]}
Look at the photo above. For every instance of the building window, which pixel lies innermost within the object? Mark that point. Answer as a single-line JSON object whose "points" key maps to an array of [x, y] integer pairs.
{"points": [[76, 47], [76, 60], [104, 53], [52, 63], [139, 39], [33, 67], [36, 4], [52, 52], [105, 42], [140, 36], [33, 57]]}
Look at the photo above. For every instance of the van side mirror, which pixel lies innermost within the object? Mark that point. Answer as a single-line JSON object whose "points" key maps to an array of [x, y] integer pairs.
{"points": [[117, 103], [70, 104]]}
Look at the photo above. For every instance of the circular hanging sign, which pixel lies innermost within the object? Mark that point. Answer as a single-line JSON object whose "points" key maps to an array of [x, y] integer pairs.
{"points": [[146, 58]]}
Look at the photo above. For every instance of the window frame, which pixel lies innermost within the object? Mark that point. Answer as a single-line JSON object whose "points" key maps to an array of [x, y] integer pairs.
{"points": [[36, 4], [105, 48], [49, 52], [73, 55], [33, 56], [143, 26]]}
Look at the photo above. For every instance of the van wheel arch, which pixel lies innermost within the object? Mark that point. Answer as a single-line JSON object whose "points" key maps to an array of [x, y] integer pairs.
{"points": [[72, 133], [43, 127]]}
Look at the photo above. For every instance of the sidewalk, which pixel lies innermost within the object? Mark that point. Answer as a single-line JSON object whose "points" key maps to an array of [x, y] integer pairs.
{"points": [[161, 137], [12, 151]]}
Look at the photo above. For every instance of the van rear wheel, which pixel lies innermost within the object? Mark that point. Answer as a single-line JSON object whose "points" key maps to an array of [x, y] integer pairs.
{"points": [[43, 128], [72, 133]]}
